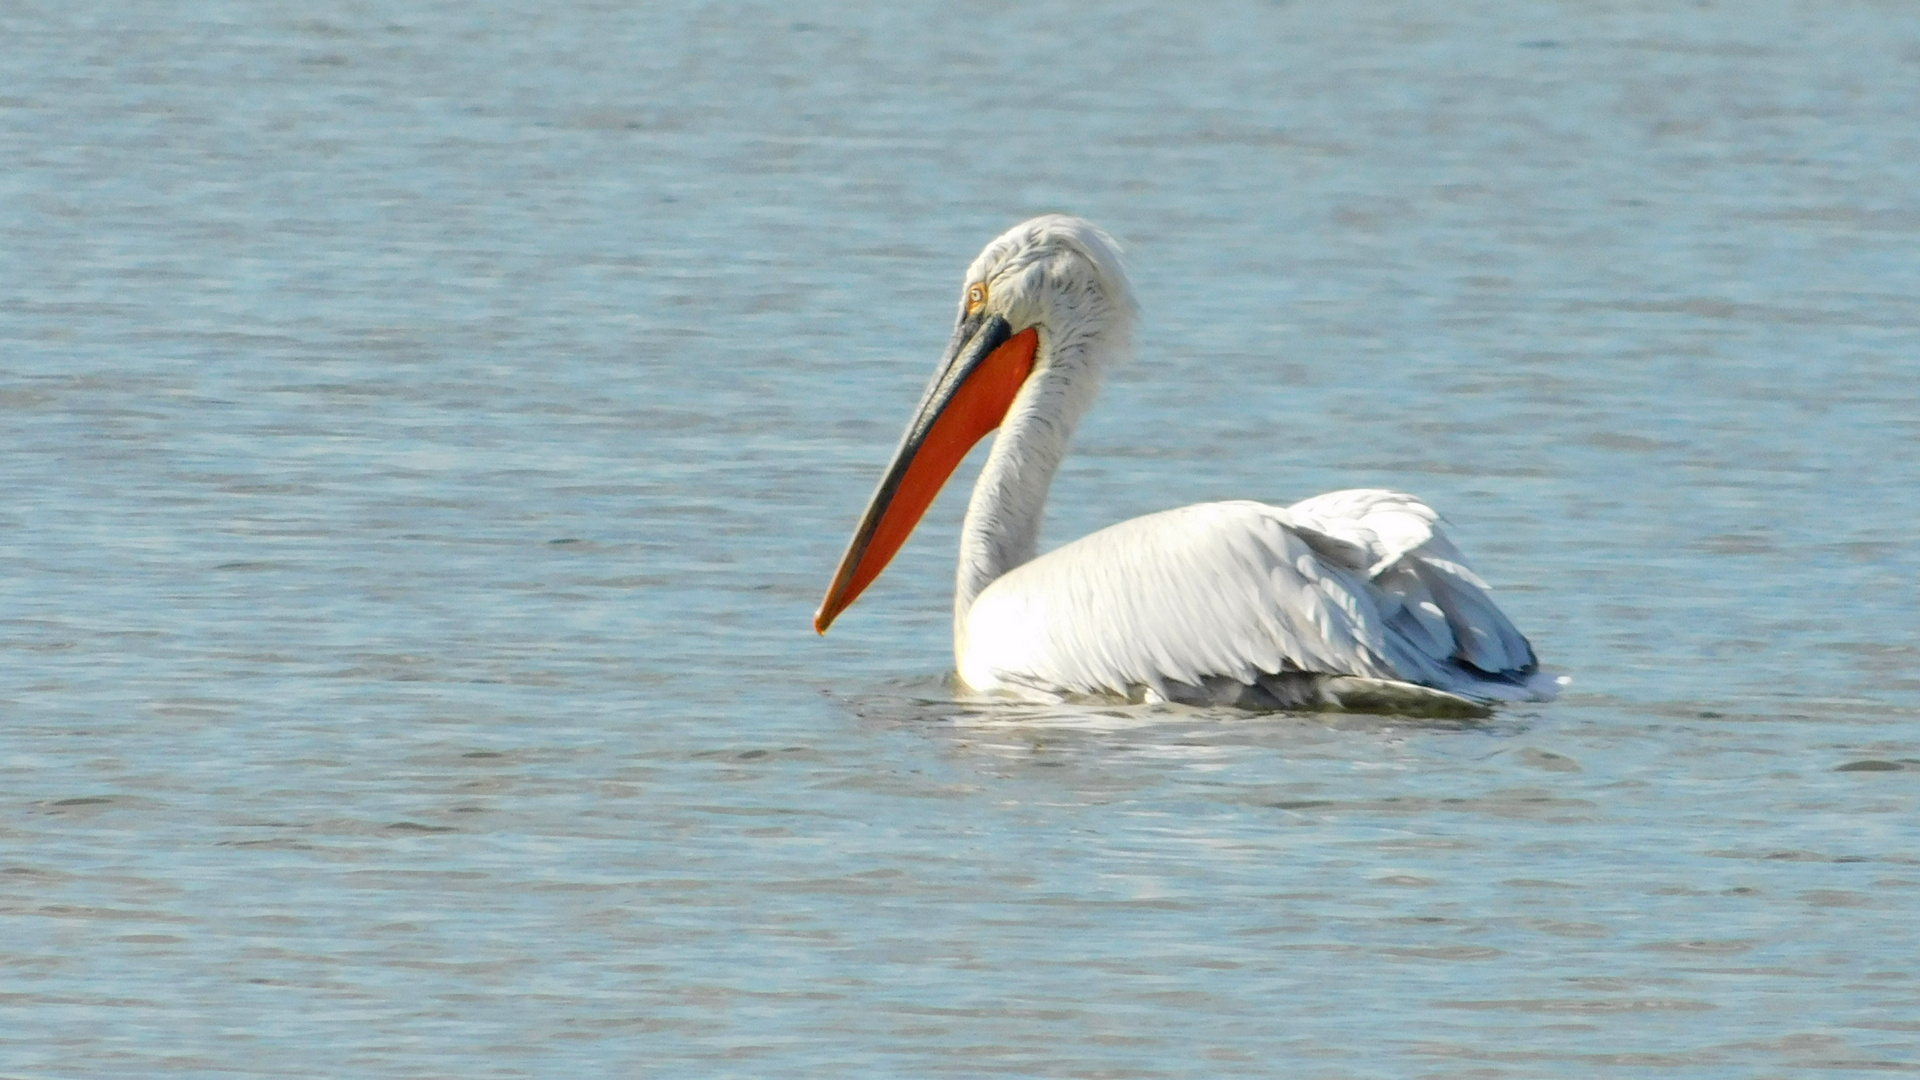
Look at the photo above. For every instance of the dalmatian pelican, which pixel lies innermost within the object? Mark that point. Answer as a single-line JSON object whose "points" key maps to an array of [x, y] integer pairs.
{"points": [[1352, 600]]}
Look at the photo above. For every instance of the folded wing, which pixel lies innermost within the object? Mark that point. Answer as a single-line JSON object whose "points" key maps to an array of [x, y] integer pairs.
{"points": [[1352, 583]]}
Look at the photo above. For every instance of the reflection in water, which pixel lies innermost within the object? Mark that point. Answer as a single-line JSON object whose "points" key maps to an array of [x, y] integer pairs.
{"points": [[945, 701]]}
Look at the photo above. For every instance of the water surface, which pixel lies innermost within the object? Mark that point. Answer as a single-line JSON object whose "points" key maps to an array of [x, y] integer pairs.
{"points": [[426, 429]]}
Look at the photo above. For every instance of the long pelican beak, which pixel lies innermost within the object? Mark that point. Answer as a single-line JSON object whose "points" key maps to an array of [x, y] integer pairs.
{"points": [[984, 366]]}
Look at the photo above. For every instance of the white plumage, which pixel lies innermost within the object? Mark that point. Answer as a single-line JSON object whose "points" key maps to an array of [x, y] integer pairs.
{"points": [[1240, 603], [1352, 599]]}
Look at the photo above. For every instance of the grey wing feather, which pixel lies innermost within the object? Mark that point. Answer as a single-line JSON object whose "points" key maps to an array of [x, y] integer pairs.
{"points": [[1439, 606]]}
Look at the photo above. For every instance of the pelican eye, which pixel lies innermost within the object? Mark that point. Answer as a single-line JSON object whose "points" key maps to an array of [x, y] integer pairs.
{"points": [[976, 296]]}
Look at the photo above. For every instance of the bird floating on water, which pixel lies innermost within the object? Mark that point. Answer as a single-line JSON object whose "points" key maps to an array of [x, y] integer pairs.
{"points": [[1349, 600]]}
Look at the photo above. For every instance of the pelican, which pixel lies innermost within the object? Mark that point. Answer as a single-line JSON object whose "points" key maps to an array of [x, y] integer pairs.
{"points": [[1352, 600]]}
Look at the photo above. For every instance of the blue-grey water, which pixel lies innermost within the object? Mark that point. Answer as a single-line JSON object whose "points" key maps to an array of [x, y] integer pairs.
{"points": [[425, 429]]}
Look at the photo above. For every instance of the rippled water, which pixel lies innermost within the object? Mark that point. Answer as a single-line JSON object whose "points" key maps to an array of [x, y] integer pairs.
{"points": [[426, 428]]}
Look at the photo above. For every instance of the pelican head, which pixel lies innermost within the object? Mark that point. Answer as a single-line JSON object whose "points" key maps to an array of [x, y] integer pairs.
{"points": [[1060, 274], [1043, 307]]}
